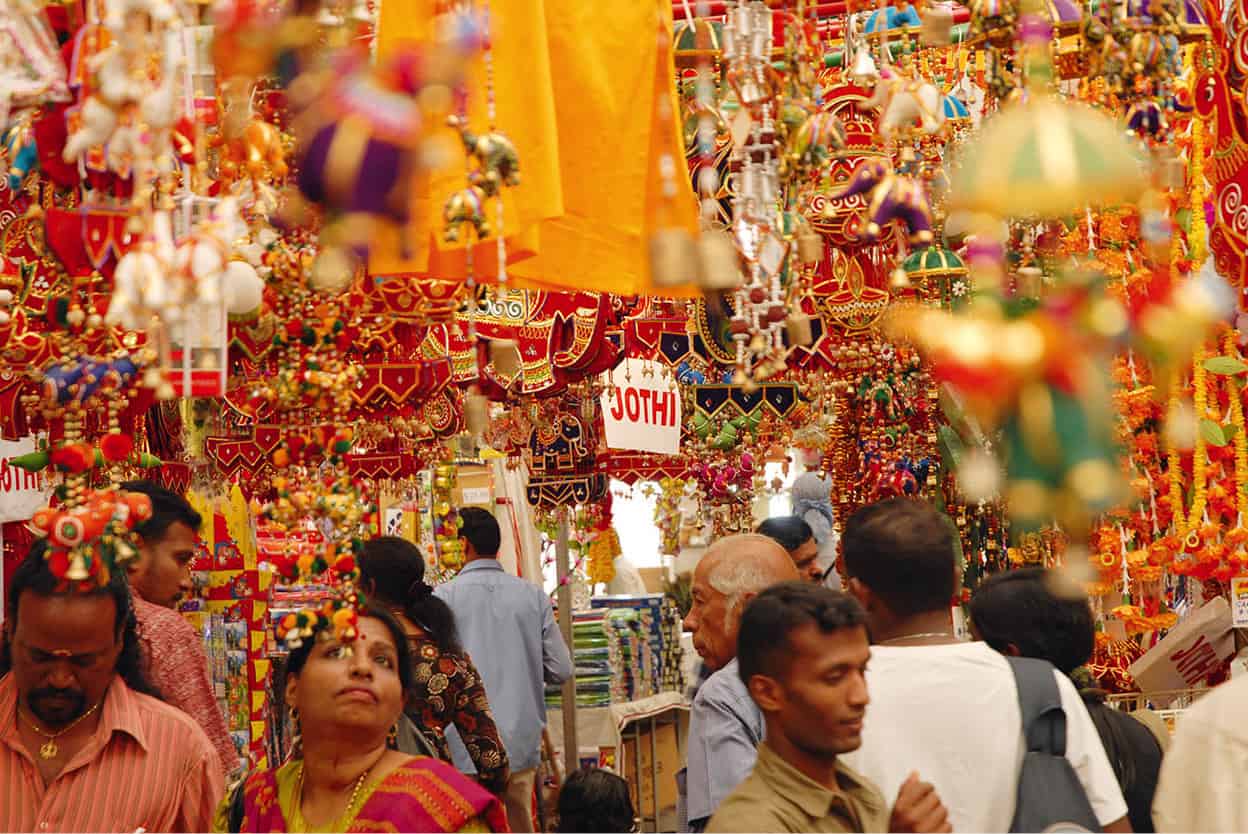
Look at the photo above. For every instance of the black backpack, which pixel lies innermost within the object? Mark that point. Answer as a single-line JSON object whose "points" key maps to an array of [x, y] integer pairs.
{"points": [[1050, 795]]}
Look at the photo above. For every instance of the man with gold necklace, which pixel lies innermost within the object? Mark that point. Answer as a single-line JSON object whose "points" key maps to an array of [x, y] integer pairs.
{"points": [[82, 746]]}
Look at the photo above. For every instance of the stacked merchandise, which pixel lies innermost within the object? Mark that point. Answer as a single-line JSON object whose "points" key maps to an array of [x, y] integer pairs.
{"points": [[658, 622], [624, 648], [591, 656]]}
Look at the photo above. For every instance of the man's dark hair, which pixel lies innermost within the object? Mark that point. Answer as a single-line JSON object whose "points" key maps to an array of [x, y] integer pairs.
{"points": [[768, 620], [594, 800], [298, 658], [481, 530], [790, 531], [33, 575], [168, 508], [396, 571], [1019, 607], [903, 550]]}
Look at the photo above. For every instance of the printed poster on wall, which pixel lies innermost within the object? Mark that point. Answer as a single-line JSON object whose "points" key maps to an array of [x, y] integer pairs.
{"points": [[641, 408], [1239, 602]]}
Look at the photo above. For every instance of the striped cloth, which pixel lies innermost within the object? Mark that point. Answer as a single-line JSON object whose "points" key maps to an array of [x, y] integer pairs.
{"points": [[148, 765]]}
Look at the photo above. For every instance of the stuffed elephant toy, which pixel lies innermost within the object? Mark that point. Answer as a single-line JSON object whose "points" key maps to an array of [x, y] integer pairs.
{"points": [[904, 101], [892, 197]]}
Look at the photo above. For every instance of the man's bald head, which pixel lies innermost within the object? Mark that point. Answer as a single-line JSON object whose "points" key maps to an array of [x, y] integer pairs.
{"points": [[746, 564], [731, 573]]}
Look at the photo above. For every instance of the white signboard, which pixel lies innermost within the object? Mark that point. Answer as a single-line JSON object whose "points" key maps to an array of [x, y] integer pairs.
{"points": [[21, 492], [642, 412], [1190, 651]]}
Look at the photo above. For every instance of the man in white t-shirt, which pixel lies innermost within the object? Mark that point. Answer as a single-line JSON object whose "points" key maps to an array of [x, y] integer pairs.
{"points": [[1204, 776], [944, 708]]}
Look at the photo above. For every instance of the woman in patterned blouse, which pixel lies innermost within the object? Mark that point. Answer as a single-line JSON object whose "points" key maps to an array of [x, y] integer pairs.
{"points": [[447, 688]]}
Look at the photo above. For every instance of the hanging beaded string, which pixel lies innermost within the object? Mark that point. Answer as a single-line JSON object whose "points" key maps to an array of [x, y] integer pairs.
{"points": [[491, 115], [708, 174]]}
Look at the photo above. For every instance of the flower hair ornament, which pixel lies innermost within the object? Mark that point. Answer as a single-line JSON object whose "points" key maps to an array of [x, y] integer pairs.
{"points": [[92, 538], [337, 617]]}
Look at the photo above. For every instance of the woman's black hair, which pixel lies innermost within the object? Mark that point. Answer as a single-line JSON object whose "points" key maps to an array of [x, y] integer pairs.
{"points": [[394, 571], [595, 800], [33, 575], [298, 658]]}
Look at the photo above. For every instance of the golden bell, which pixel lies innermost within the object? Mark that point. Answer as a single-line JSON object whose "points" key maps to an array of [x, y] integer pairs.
{"points": [[798, 329], [937, 27], [1028, 281], [809, 245], [476, 413], [720, 264], [505, 355], [673, 258]]}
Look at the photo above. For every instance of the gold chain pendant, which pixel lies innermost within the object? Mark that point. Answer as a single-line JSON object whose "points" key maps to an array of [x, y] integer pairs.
{"points": [[49, 750]]}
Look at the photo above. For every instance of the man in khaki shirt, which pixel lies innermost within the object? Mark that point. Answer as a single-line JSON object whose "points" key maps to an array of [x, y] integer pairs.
{"points": [[802, 651]]}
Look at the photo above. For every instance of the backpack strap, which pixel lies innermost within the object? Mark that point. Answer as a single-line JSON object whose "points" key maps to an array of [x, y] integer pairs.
{"points": [[1040, 704]]}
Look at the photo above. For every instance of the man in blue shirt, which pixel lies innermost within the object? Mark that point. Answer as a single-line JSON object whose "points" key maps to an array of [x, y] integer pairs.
{"points": [[508, 628], [725, 725]]}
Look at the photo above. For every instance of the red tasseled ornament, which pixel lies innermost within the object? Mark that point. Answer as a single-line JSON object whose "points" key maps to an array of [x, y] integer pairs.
{"points": [[116, 447], [74, 458]]}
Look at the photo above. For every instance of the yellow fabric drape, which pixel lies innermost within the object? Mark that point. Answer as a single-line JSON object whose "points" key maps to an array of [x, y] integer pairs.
{"points": [[524, 111], [576, 90]]}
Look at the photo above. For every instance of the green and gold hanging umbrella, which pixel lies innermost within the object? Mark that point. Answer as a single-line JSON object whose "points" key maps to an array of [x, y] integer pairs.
{"points": [[1047, 157]]}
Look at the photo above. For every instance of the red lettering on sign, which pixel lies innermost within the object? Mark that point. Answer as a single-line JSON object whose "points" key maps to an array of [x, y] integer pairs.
{"points": [[660, 409], [617, 407], [632, 404], [1196, 661]]}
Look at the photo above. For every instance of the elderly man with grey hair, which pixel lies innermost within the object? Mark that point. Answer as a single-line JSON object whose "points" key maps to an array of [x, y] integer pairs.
{"points": [[725, 725]]}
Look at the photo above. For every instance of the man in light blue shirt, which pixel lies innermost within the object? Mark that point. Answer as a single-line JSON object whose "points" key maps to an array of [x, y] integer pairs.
{"points": [[725, 725], [508, 628]]}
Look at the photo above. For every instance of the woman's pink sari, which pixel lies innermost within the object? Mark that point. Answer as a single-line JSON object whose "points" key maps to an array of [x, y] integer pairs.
{"points": [[422, 795]]}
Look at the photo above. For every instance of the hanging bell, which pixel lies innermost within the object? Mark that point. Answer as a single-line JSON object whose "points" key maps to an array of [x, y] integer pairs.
{"points": [[809, 244], [505, 356], [798, 329], [77, 570], [673, 258], [937, 26], [1028, 282], [476, 414], [720, 266]]}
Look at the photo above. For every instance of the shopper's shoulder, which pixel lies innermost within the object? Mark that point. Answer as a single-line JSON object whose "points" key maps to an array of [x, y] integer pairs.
{"points": [[974, 660], [754, 806], [1226, 707], [723, 686], [178, 728]]}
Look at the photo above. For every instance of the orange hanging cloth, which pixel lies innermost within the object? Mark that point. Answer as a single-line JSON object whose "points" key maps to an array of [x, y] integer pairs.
{"points": [[578, 92]]}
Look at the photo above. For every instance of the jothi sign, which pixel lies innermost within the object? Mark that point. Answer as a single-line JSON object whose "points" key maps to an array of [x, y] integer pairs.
{"points": [[21, 492], [641, 408]]}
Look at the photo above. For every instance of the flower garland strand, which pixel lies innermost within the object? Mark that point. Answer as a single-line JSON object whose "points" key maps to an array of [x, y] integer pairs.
{"points": [[1200, 459], [1187, 522], [1241, 439], [1198, 231]]}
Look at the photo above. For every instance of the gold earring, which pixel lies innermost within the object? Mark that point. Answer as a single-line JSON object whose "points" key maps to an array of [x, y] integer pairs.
{"points": [[392, 738]]}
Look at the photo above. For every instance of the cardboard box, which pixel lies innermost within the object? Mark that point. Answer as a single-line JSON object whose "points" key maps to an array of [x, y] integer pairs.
{"points": [[474, 487], [666, 753]]}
